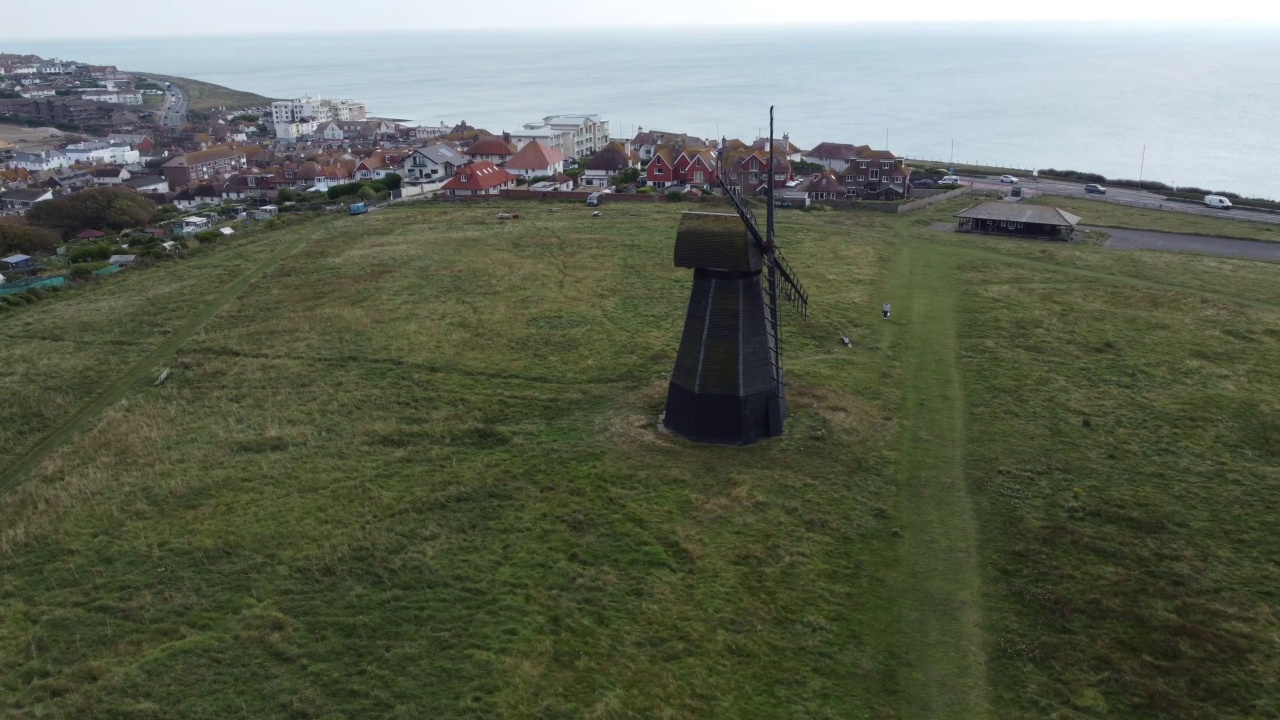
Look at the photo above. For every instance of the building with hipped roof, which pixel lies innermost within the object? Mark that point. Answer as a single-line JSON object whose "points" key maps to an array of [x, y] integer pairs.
{"points": [[479, 178], [536, 160]]}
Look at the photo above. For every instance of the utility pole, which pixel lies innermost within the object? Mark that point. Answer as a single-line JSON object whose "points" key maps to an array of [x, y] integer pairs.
{"points": [[1142, 166], [952, 159], [886, 138]]}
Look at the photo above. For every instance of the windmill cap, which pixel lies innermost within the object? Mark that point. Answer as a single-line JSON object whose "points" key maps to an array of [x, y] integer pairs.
{"points": [[716, 241]]}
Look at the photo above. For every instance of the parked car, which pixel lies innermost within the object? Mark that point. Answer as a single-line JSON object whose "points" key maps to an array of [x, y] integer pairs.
{"points": [[924, 184], [1008, 179], [1217, 201], [949, 180], [1095, 189]]}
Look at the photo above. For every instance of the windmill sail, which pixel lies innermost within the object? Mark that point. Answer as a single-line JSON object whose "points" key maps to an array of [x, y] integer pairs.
{"points": [[728, 383]]}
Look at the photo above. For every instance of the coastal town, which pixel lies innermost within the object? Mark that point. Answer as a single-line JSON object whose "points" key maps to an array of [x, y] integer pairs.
{"points": [[118, 131]]}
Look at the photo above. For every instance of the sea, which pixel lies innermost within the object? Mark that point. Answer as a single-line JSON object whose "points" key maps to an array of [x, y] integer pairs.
{"points": [[1186, 105]]}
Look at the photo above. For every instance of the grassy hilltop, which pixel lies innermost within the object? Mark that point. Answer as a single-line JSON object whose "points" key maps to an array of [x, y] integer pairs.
{"points": [[205, 96], [406, 466]]}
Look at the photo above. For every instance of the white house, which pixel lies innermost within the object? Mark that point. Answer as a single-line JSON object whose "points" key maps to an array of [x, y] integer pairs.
{"points": [[44, 160], [835, 156], [330, 130], [37, 92], [553, 139], [430, 132], [534, 160], [101, 153], [294, 129]]}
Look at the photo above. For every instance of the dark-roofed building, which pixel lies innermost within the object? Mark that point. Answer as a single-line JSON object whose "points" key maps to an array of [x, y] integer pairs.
{"points": [[431, 164], [827, 187], [148, 183], [876, 175], [23, 198], [1017, 218], [611, 160], [91, 235]]}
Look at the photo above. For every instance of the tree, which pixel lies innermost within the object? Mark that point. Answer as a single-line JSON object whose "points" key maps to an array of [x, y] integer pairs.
{"points": [[392, 181], [111, 209], [286, 195], [27, 240], [804, 167], [368, 194], [626, 177]]}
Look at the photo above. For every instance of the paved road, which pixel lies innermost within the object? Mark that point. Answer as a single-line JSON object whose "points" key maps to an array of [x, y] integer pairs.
{"points": [[1122, 196], [174, 112], [1228, 247]]}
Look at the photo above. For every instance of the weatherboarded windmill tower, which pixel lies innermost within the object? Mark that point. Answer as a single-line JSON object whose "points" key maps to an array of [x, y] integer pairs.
{"points": [[728, 384]]}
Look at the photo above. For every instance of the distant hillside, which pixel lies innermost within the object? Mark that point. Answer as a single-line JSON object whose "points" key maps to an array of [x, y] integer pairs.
{"points": [[206, 96]]}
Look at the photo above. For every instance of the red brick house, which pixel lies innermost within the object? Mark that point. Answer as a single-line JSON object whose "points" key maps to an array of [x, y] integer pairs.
{"points": [[479, 178], [876, 175], [194, 168], [661, 170], [698, 167], [749, 169]]}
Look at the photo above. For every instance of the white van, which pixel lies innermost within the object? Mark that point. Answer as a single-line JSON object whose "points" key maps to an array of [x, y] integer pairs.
{"points": [[1217, 201], [949, 180]]}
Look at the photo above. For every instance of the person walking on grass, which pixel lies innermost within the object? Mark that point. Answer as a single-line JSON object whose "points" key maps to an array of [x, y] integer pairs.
{"points": [[885, 310]]}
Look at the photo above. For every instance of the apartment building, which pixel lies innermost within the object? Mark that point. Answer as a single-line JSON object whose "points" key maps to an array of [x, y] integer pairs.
{"points": [[285, 113], [584, 134]]}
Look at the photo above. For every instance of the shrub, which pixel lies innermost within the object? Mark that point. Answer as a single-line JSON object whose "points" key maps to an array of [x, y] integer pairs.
{"points": [[646, 190], [90, 253], [338, 191], [80, 272], [675, 196], [392, 181], [208, 236]]}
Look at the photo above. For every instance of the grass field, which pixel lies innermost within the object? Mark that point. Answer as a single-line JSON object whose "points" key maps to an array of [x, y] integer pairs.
{"points": [[1097, 212], [406, 465], [207, 96]]}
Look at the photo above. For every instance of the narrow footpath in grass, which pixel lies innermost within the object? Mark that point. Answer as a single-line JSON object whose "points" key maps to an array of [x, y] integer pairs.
{"points": [[940, 598], [13, 475]]}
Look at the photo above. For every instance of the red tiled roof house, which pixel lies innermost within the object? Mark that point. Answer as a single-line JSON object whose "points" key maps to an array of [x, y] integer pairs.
{"points": [[479, 178]]}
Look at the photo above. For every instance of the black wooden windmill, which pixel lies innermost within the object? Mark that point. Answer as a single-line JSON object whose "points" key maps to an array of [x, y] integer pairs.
{"points": [[728, 384]]}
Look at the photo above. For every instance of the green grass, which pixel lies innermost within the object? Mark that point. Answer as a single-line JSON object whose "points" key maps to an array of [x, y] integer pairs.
{"points": [[406, 466], [205, 96], [1097, 212]]}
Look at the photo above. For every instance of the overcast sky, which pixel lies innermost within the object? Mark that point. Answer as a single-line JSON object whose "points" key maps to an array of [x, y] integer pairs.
{"points": [[66, 19]]}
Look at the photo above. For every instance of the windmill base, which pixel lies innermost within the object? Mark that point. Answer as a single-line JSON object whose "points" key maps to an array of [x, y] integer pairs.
{"points": [[724, 419]]}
